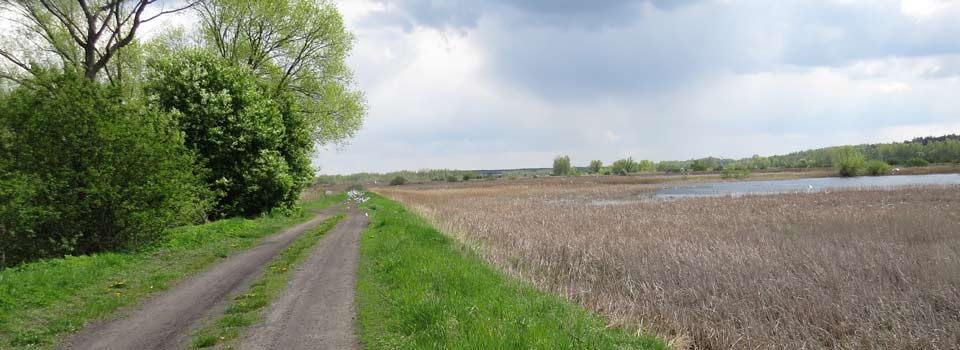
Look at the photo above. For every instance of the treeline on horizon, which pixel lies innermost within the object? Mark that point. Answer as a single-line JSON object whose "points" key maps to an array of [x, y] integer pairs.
{"points": [[916, 152], [106, 141]]}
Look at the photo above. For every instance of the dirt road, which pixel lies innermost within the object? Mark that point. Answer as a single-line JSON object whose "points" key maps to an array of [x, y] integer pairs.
{"points": [[316, 310], [165, 320]]}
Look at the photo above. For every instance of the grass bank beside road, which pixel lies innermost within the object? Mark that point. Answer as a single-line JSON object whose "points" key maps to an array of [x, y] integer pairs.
{"points": [[41, 301], [419, 289]]}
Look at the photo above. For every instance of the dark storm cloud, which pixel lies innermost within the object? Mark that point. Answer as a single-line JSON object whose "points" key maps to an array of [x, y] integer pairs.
{"points": [[568, 48], [466, 14], [496, 84], [839, 34]]}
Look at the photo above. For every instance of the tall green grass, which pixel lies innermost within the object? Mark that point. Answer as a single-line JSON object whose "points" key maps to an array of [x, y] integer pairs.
{"points": [[418, 289], [41, 301]]}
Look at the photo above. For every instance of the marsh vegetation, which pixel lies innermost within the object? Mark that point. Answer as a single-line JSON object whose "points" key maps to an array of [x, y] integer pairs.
{"points": [[873, 268]]}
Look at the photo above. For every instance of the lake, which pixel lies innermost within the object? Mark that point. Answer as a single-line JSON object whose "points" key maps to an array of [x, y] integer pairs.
{"points": [[740, 188]]}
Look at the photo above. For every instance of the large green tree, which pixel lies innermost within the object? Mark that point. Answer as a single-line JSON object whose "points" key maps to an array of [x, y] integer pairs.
{"points": [[562, 167], [299, 48], [81, 171], [255, 143]]}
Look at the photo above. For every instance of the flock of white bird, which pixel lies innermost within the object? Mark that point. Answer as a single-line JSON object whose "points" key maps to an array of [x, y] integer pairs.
{"points": [[356, 196]]}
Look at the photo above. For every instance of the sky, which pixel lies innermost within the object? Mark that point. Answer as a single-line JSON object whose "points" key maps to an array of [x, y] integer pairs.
{"points": [[497, 84]]}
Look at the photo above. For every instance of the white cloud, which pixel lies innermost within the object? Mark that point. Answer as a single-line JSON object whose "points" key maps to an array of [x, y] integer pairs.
{"points": [[922, 9], [712, 79]]}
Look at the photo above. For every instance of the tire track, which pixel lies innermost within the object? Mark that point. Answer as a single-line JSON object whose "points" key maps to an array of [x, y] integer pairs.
{"points": [[316, 311], [165, 320]]}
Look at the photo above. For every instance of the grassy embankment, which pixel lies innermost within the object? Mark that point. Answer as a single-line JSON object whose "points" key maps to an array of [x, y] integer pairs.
{"points": [[41, 301], [418, 289], [245, 309]]}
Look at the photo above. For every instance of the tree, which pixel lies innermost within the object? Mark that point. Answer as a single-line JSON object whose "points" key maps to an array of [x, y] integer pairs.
{"points": [[595, 166], [255, 144], [646, 166], [848, 161], [84, 34], [561, 166], [397, 181], [82, 172], [759, 162], [299, 48], [624, 166], [698, 165]]}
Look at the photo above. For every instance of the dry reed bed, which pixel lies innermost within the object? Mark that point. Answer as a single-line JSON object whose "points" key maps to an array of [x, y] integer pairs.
{"points": [[845, 270]]}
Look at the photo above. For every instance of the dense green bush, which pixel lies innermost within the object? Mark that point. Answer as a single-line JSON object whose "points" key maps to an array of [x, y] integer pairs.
{"points": [[877, 167], [624, 166], [848, 161], [82, 171], [671, 166], [452, 178], [734, 173], [646, 166], [397, 181], [917, 161], [255, 145], [562, 167], [699, 165]]}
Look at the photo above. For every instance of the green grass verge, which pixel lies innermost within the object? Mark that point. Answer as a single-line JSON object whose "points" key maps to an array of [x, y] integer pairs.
{"points": [[41, 301], [245, 309], [419, 289]]}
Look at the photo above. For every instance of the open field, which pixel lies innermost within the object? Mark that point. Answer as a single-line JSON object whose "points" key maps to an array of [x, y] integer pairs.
{"points": [[844, 269]]}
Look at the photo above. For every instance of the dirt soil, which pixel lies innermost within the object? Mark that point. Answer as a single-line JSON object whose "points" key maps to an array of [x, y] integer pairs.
{"points": [[165, 321], [316, 311]]}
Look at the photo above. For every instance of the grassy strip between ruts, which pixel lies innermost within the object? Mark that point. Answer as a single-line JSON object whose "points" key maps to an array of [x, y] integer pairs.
{"points": [[41, 301], [419, 289], [245, 309]]}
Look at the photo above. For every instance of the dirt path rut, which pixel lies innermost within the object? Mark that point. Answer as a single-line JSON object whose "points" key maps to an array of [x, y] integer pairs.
{"points": [[316, 310], [165, 320]]}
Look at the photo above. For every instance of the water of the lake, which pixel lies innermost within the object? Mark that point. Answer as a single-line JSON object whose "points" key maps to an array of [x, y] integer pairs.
{"points": [[740, 188]]}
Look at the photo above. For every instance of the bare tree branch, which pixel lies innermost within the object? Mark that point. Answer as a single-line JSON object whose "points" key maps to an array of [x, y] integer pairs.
{"points": [[97, 30]]}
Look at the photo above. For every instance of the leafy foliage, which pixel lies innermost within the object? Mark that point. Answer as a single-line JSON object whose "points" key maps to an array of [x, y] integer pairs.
{"points": [[595, 166], [848, 161], [877, 167], [255, 146], [646, 166], [734, 173], [296, 47], [562, 167], [624, 166], [917, 161], [699, 165], [397, 181], [83, 171]]}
